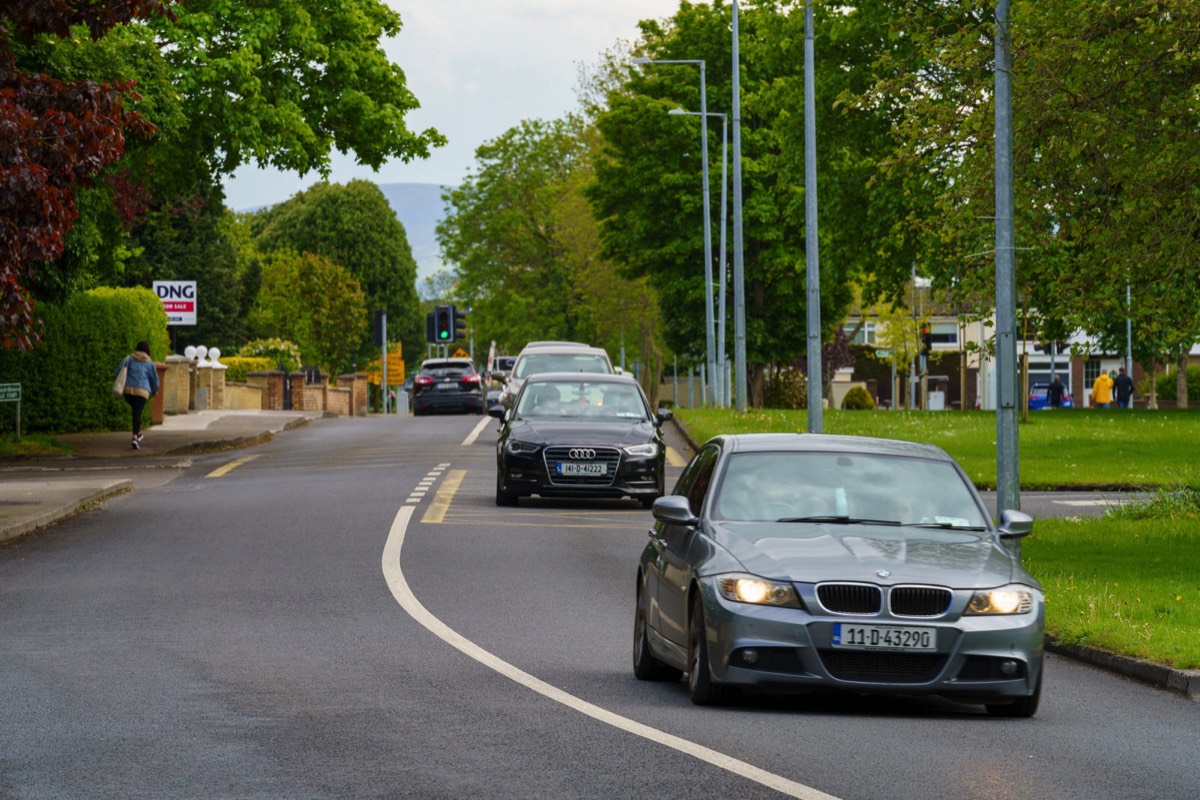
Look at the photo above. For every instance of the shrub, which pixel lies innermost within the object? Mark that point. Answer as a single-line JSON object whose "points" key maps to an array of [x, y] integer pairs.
{"points": [[241, 366], [1166, 384], [66, 382], [858, 399], [786, 388], [277, 351]]}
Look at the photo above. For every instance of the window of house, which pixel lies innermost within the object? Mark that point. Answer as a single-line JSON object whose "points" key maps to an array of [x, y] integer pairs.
{"points": [[865, 335], [1091, 371], [945, 333]]}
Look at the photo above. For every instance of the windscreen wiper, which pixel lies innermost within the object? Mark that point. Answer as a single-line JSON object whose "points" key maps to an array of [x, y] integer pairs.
{"points": [[947, 526], [840, 520]]}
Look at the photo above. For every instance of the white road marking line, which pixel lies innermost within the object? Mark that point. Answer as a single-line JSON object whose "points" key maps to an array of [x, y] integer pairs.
{"points": [[483, 423], [393, 573]]}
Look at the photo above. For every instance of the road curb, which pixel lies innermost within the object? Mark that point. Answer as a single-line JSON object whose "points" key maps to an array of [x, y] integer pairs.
{"points": [[1182, 681], [65, 510]]}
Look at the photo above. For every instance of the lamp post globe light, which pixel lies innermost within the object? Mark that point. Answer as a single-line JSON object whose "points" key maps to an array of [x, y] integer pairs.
{"points": [[720, 382], [710, 344]]}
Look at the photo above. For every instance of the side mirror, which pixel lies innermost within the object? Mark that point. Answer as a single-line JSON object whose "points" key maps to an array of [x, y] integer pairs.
{"points": [[1015, 524], [673, 509], [496, 410], [663, 415]]}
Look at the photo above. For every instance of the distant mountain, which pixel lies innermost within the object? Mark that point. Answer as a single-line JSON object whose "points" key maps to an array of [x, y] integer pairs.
{"points": [[419, 208]]}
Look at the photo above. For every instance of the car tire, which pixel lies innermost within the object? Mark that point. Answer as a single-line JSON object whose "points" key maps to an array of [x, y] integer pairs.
{"points": [[503, 498], [701, 688], [1022, 707], [645, 666]]}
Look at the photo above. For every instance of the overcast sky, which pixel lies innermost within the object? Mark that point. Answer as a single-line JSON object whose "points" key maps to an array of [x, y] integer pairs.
{"points": [[478, 67]]}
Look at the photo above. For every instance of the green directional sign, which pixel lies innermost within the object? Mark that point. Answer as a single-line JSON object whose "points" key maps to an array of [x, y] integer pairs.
{"points": [[10, 392], [882, 353]]}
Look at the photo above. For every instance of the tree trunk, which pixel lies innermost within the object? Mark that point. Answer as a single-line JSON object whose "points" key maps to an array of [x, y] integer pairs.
{"points": [[754, 386], [1181, 392]]}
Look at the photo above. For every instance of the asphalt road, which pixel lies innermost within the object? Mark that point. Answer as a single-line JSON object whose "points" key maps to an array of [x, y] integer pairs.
{"points": [[343, 612]]}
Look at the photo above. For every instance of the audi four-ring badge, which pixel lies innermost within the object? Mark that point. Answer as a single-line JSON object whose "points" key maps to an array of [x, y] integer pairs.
{"points": [[572, 434]]}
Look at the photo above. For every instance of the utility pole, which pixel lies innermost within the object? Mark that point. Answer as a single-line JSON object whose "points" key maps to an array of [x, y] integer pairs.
{"points": [[1008, 473], [811, 257]]}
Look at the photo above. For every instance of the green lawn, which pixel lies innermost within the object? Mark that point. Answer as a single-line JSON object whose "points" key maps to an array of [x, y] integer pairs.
{"points": [[1128, 583], [1058, 449]]}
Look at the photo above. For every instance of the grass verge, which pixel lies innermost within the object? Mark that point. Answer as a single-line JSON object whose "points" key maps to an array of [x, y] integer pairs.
{"points": [[32, 444]]}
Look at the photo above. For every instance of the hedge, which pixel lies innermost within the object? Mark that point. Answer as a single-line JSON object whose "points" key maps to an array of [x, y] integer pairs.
{"points": [[66, 381], [238, 367]]}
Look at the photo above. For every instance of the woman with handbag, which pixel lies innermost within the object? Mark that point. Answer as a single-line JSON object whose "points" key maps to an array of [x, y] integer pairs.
{"points": [[141, 383]]}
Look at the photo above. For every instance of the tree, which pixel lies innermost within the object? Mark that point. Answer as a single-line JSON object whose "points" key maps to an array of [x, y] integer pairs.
{"points": [[502, 232], [55, 136], [308, 299], [647, 193], [1104, 157], [353, 225]]}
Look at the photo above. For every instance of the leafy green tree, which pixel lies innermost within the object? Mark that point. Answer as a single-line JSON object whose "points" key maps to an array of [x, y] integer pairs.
{"points": [[308, 299], [191, 244], [502, 233], [1104, 156], [647, 193], [353, 225]]}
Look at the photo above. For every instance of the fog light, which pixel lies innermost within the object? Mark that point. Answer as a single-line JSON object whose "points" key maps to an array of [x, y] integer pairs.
{"points": [[1008, 668], [750, 655]]}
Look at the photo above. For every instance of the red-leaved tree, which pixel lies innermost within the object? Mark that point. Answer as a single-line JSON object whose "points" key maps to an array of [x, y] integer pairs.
{"points": [[54, 137]]}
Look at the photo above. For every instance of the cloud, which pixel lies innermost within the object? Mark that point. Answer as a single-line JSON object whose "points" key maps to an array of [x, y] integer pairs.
{"points": [[478, 68]]}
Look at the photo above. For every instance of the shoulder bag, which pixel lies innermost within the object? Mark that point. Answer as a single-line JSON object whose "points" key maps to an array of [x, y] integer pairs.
{"points": [[122, 374]]}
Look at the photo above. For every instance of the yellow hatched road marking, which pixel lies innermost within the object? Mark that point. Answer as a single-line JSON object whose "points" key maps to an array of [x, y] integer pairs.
{"points": [[445, 493], [674, 459], [232, 465]]}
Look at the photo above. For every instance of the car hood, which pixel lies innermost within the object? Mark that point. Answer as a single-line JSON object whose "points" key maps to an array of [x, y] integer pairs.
{"points": [[616, 434], [812, 552]]}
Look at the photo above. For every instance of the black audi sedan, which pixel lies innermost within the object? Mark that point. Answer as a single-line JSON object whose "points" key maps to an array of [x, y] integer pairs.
{"points": [[580, 435]]}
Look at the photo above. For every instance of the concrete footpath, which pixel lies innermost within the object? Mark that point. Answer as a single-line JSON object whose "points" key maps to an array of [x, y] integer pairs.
{"points": [[38, 491]]}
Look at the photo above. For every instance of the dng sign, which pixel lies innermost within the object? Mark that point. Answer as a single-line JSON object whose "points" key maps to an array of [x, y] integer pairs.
{"points": [[179, 301]]}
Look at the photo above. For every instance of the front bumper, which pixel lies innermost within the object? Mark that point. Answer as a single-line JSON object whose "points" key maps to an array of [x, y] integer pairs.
{"points": [[977, 658], [527, 474]]}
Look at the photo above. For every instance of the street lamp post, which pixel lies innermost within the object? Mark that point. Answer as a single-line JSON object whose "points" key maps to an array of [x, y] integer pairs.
{"points": [[723, 393], [739, 294], [710, 345]]}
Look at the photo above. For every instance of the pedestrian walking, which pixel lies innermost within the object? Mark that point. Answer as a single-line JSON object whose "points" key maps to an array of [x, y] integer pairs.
{"points": [[1055, 392], [141, 383], [1102, 391], [1123, 384]]}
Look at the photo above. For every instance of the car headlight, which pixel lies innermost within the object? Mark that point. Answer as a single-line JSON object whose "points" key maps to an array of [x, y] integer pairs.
{"points": [[749, 589], [520, 448], [649, 449], [1004, 600]]}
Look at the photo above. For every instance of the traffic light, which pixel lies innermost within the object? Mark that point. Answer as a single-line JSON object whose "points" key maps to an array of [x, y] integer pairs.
{"points": [[443, 324], [926, 339], [430, 329], [460, 323]]}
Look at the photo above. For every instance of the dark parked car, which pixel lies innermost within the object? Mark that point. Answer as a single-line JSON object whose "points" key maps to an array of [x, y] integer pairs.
{"points": [[1038, 400], [447, 384], [787, 562], [581, 435]]}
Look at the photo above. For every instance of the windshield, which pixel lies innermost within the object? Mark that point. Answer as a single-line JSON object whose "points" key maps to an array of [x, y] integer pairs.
{"points": [[448, 369], [598, 401], [846, 488], [562, 362]]}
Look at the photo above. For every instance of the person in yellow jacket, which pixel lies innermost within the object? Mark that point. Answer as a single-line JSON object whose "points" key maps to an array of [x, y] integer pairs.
{"points": [[1102, 391]]}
